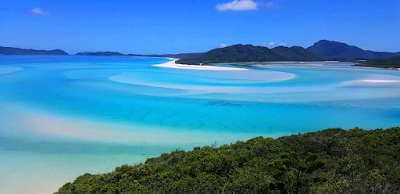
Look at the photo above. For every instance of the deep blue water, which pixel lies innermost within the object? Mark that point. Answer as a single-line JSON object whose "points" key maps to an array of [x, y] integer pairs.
{"points": [[77, 114]]}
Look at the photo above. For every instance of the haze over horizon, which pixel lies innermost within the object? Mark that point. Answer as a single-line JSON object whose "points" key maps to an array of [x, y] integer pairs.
{"points": [[161, 27]]}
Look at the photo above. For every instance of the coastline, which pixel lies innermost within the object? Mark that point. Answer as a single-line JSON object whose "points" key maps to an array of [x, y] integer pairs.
{"points": [[174, 65], [372, 66]]}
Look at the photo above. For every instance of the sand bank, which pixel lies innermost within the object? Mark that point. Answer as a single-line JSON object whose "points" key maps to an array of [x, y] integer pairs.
{"points": [[174, 65], [48, 125], [380, 81]]}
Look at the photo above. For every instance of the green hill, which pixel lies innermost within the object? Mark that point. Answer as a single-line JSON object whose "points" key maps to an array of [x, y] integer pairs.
{"points": [[250, 53], [19, 51], [333, 50], [331, 161], [392, 62]]}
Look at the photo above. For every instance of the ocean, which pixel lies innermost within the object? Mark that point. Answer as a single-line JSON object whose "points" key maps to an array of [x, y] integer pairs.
{"points": [[63, 116]]}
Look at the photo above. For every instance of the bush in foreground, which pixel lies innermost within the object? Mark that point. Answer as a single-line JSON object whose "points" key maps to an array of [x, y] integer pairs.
{"points": [[331, 161]]}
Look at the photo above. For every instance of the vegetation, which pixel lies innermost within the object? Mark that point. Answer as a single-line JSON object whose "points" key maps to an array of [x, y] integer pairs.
{"points": [[19, 51], [250, 53], [393, 62], [331, 161], [333, 50]]}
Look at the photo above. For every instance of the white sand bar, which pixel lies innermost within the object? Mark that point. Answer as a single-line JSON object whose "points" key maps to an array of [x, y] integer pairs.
{"points": [[380, 81], [174, 65]]}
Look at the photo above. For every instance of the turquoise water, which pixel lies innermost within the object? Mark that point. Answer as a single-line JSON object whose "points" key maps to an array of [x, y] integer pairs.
{"points": [[62, 116]]}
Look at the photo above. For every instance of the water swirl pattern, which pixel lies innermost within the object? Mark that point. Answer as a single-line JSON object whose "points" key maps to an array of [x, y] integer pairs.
{"points": [[63, 116]]}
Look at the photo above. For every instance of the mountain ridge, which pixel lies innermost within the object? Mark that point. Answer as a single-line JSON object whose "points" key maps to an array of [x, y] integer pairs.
{"points": [[250, 53], [321, 50], [20, 51], [335, 50]]}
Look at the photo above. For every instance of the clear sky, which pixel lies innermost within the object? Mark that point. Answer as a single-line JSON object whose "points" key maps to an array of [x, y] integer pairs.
{"points": [[163, 26]]}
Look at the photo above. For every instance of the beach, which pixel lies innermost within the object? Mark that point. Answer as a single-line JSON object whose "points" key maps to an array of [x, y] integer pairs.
{"points": [[173, 64]]}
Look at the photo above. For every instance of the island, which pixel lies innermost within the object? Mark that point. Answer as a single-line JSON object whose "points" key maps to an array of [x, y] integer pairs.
{"points": [[250, 53], [334, 50], [20, 51], [390, 63], [328, 161]]}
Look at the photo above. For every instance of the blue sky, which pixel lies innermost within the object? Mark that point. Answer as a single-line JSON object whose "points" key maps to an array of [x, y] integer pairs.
{"points": [[161, 26]]}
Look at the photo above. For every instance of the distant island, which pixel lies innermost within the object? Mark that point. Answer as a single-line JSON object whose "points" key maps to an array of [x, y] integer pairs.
{"points": [[321, 51], [391, 63], [250, 53], [109, 53], [329, 161], [19, 51], [333, 50]]}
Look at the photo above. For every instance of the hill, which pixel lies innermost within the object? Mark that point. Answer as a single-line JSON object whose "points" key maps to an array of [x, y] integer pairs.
{"points": [[19, 51], [392, 62], [250, 53], [331, 161], [333, 50]]}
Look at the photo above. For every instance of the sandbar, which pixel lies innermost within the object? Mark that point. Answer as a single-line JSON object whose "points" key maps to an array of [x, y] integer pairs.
{"points": [[172, 64]]}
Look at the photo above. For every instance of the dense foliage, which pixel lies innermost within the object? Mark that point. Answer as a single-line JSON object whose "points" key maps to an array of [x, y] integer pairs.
{"points": [[393, 62], [331, 161], [333, 50], [19, 51], [250, 53]]}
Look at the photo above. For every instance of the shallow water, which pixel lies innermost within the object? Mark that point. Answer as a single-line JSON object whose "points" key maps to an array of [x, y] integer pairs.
{"points": [[63, 116]]}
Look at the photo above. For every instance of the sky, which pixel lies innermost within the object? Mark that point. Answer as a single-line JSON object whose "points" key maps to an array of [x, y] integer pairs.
{"points": [[181, 26]]}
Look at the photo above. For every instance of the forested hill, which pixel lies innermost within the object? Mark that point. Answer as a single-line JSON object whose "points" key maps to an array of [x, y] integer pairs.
{"points": [[392, 62], [331, 161], [250, 53], [19, 51], [340, 51]]}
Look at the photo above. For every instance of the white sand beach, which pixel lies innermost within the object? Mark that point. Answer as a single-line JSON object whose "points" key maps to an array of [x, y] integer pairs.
{"points": [[174, 65]]}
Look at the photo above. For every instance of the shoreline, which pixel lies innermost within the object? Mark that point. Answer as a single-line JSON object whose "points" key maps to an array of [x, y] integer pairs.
{"points": [[174, 65], [371, 66]]}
